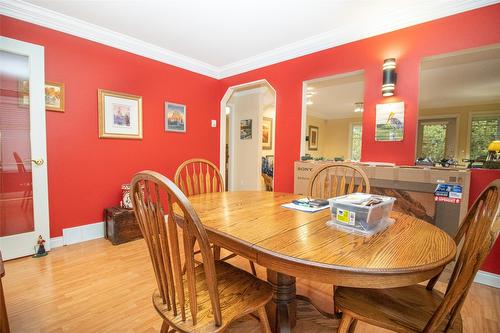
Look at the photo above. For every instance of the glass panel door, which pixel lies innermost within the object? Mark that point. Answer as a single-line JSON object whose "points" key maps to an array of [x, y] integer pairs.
{"points": [[24, 214], [16, 190]]}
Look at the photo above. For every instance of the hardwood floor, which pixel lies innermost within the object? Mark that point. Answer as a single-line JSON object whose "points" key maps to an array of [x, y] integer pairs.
{"points": [[97, 287]]}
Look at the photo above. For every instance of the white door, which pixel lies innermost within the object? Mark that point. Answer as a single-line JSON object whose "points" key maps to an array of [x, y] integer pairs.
{"points": [[24, 213]]}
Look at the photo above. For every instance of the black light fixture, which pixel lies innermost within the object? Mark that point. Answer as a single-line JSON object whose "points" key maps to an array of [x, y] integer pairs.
{"points": [[389, 77]]}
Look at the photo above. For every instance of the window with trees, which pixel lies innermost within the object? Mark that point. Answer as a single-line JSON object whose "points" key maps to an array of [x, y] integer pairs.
{"points": [[437, 138], [356, 133], [434, 141], [484, 129]]}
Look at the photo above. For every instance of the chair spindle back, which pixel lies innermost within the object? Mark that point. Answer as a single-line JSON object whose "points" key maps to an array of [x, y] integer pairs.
{"points": [[198, 176], [337, 179], [153, 196], [478, 235]]}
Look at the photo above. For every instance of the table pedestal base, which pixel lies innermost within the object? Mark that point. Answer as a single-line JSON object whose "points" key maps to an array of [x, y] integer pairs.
{"points": [[282, 309]]}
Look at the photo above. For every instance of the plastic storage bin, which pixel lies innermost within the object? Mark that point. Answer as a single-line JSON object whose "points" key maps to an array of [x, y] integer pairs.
{"points": [[350, 212]]}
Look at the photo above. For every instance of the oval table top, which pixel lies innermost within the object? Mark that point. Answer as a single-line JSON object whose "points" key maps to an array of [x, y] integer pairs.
{"points": [[301, 244]]}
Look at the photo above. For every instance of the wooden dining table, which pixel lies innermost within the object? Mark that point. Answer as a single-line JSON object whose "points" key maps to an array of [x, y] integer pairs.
{"points": [[293, 244]]}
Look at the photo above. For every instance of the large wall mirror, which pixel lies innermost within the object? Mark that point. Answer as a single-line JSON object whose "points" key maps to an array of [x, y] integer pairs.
{"points": [[459, 111], [332, 117]]}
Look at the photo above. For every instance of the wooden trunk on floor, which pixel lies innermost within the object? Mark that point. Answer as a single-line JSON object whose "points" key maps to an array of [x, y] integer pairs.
{"points": [[121, 225]]}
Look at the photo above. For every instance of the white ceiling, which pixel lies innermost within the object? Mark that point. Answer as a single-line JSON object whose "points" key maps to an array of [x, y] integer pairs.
{"points": [[334, 96], [466, 78], [220, 38]]}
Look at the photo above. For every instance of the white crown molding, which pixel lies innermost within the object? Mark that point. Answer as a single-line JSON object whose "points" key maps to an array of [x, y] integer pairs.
{"points": [[50, 19], [402, 19], [258, 90], [349, 34]]}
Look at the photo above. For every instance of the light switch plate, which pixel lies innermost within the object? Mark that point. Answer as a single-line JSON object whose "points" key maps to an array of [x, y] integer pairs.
{"points": [[214, 123]]}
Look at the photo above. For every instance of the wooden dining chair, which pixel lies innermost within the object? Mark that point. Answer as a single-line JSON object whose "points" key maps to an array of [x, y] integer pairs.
{"points": [[210, 295], [197, 176], [420, 308], [336, 179], [26, 181]]}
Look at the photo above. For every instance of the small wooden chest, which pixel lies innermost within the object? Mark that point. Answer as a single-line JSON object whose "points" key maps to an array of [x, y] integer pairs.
{"points": [[121, 225]]}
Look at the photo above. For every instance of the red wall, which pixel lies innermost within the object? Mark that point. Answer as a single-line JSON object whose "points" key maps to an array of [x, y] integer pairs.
{"points": [[467, 30], [85, 172]]}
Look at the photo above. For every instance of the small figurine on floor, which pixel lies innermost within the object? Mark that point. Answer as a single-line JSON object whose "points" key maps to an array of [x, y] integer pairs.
{"points": [[40, 248]]}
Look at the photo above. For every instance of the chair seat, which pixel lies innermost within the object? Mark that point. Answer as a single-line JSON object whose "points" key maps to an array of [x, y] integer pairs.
{"points": [[406, 309], [240, 292]]}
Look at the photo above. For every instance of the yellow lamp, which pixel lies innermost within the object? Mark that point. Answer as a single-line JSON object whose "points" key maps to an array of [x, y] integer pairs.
{"points": [[493, 152], [494, 146]]}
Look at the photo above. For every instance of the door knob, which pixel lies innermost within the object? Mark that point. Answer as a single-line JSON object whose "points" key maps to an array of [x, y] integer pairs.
{"points": [[38, 162]]}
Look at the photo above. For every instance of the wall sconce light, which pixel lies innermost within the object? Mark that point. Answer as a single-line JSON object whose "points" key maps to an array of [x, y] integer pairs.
{"points": [[389, 77], [358, 107]]}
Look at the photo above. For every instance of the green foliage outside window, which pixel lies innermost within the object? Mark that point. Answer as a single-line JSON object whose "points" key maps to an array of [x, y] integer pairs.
{"points": [[356, 142], [483, 131], [434, 141]]}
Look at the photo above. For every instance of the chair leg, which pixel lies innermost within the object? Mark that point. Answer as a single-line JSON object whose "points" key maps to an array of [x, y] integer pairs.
{"points": [[353, 326], [336, 310], [264, 323], [252, 267], [164, 327], [345, 323], [216, 252]]}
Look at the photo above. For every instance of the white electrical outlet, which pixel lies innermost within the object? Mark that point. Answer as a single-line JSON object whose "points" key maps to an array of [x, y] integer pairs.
{"points": [[214, 123]]}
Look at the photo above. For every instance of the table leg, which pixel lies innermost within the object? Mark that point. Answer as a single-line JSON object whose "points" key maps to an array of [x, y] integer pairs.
{"points": [[282, 309], [4, 321]]}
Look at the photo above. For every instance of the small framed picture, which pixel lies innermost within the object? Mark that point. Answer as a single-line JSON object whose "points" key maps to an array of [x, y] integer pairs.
{"points": [[54, 96], [120, 115], [246, 129], [390, 121], [313, 138], [23, 92], [267, 133], [175, 117]]}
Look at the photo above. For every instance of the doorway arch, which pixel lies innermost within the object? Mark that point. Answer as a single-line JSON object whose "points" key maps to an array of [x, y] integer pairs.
{"points": [[222, 121]]}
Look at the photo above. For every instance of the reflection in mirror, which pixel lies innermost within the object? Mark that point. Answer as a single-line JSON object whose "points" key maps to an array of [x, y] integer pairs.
{"points": [[333, 108], [459, 112]]}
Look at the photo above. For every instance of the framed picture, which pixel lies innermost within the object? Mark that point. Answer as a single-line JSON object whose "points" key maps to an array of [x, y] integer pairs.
{"points": [[120, 115], [54, 96], [23, 92], [175, 117], [389, 121], [267, 133], [246, 129], [313, 138]]}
